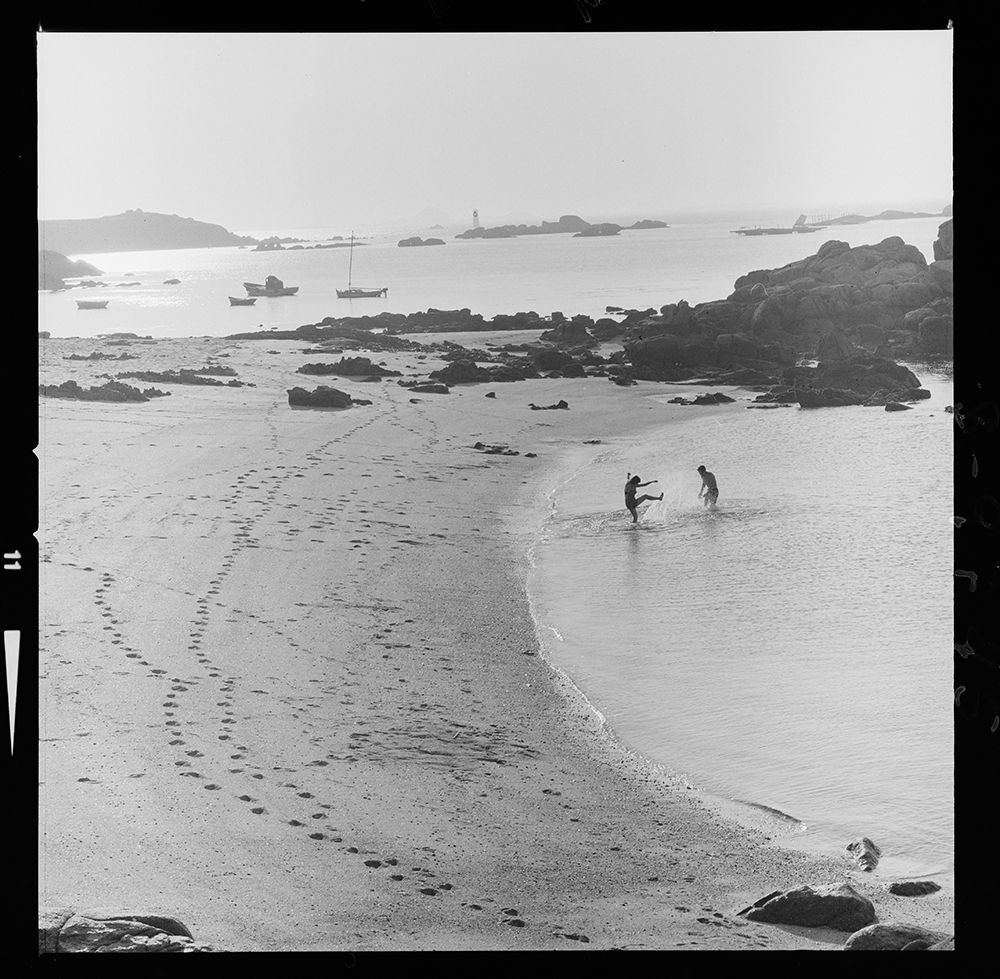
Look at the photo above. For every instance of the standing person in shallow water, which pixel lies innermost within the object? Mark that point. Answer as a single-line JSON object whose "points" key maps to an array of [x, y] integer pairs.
{"points": [[709, 487], [630, 501]]}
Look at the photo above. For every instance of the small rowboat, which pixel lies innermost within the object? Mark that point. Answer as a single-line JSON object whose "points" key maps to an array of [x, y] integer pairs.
{"points": [[92, 303], [233, 301]]}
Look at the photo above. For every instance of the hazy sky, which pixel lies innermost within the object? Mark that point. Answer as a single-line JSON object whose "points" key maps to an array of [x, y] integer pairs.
{"points": [[293, 130]]}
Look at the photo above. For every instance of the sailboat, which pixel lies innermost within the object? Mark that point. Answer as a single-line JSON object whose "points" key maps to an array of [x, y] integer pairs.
{"points": [[356, 292]]}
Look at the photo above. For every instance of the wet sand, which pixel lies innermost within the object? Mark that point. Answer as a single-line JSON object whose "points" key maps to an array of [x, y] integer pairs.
{"points": [[291, 691]]}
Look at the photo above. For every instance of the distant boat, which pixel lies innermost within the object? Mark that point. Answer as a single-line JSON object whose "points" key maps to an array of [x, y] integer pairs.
{"points": [[799, 228], [233, 301], [271, 286], [356, 292], [92, 303]]}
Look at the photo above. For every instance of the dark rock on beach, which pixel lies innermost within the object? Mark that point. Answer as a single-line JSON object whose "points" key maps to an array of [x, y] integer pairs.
{"points": [[321, 397], [890, 937], [837, 906], [913, 888], [864, 852], [185, 375], [350, 367], [110, 391], [430, 389], [559, 405]]}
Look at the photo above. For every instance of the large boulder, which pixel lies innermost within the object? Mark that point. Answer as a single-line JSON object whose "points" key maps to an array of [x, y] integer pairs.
{"points": [[913, 888], [865, 853], [349, 367], [935, 336], [890, 937], [571, 333], [321, 397], [834, 346], [837, 906], [944, 246], [461, 372], [113, 930]]}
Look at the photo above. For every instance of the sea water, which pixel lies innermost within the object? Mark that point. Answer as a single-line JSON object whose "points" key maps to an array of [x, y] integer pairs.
{"points": [[792, 648], [697, 261]]}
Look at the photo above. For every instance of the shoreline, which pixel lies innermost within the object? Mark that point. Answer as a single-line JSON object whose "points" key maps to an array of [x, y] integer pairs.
{"points": [[785, 829], [400, 655]]}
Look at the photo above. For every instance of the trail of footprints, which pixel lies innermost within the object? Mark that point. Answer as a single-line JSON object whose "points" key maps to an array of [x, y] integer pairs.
{"points": [[196, 748]]}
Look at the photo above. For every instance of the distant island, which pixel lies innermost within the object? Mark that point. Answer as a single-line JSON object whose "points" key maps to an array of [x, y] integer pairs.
{"points": [[567, 224], [54, 267], [135, 230], [416, 242], [889, 215]]}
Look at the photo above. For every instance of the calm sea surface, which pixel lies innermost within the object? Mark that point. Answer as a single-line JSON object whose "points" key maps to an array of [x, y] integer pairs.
{"points": [[636, 269], [793, 648]]}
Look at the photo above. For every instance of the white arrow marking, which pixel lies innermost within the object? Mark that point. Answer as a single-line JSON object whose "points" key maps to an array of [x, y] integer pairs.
{"points": [[11, 647]]}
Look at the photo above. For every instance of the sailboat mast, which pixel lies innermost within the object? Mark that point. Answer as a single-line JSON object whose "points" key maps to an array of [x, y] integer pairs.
{"points": [[350, 264]]}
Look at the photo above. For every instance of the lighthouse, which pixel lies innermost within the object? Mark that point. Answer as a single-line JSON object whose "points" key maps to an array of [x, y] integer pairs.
{"points": [[475, 219]]}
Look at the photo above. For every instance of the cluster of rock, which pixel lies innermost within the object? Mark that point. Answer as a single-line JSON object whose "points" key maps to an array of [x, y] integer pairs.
{"points": [[350, 367], [111, 391], [500, 450], [417, 242], [187, 375], [561, 404], [112, 930], [321, 397], [840, 907], [97, 355], [703, 399]]}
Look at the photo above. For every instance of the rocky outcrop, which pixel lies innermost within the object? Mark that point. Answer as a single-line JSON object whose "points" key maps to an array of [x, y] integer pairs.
{"points": [[558, 405], [864, 852], [97, 355], [321, 397], [570, 333], [113, 930], [185, 375], [647, 223], [856, 380], [54, 267], [461, 372], [703, 399], [430, 388], [417, 242], [350, 367], [889, 937], [944, 246], [837, 906], [566, 223], [110, 391]]}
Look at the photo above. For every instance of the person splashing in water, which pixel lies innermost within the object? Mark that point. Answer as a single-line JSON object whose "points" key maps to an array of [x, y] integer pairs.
{"points": [[630, 501], [709, 487]]}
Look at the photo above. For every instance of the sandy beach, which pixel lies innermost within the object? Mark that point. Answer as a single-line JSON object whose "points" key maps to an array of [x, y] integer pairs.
{"points": [[291, 691]]}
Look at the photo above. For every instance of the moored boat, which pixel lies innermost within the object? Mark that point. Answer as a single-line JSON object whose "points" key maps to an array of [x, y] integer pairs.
{"points": [[92, 303], [233, 301], [356, 292], [271, 286]]}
